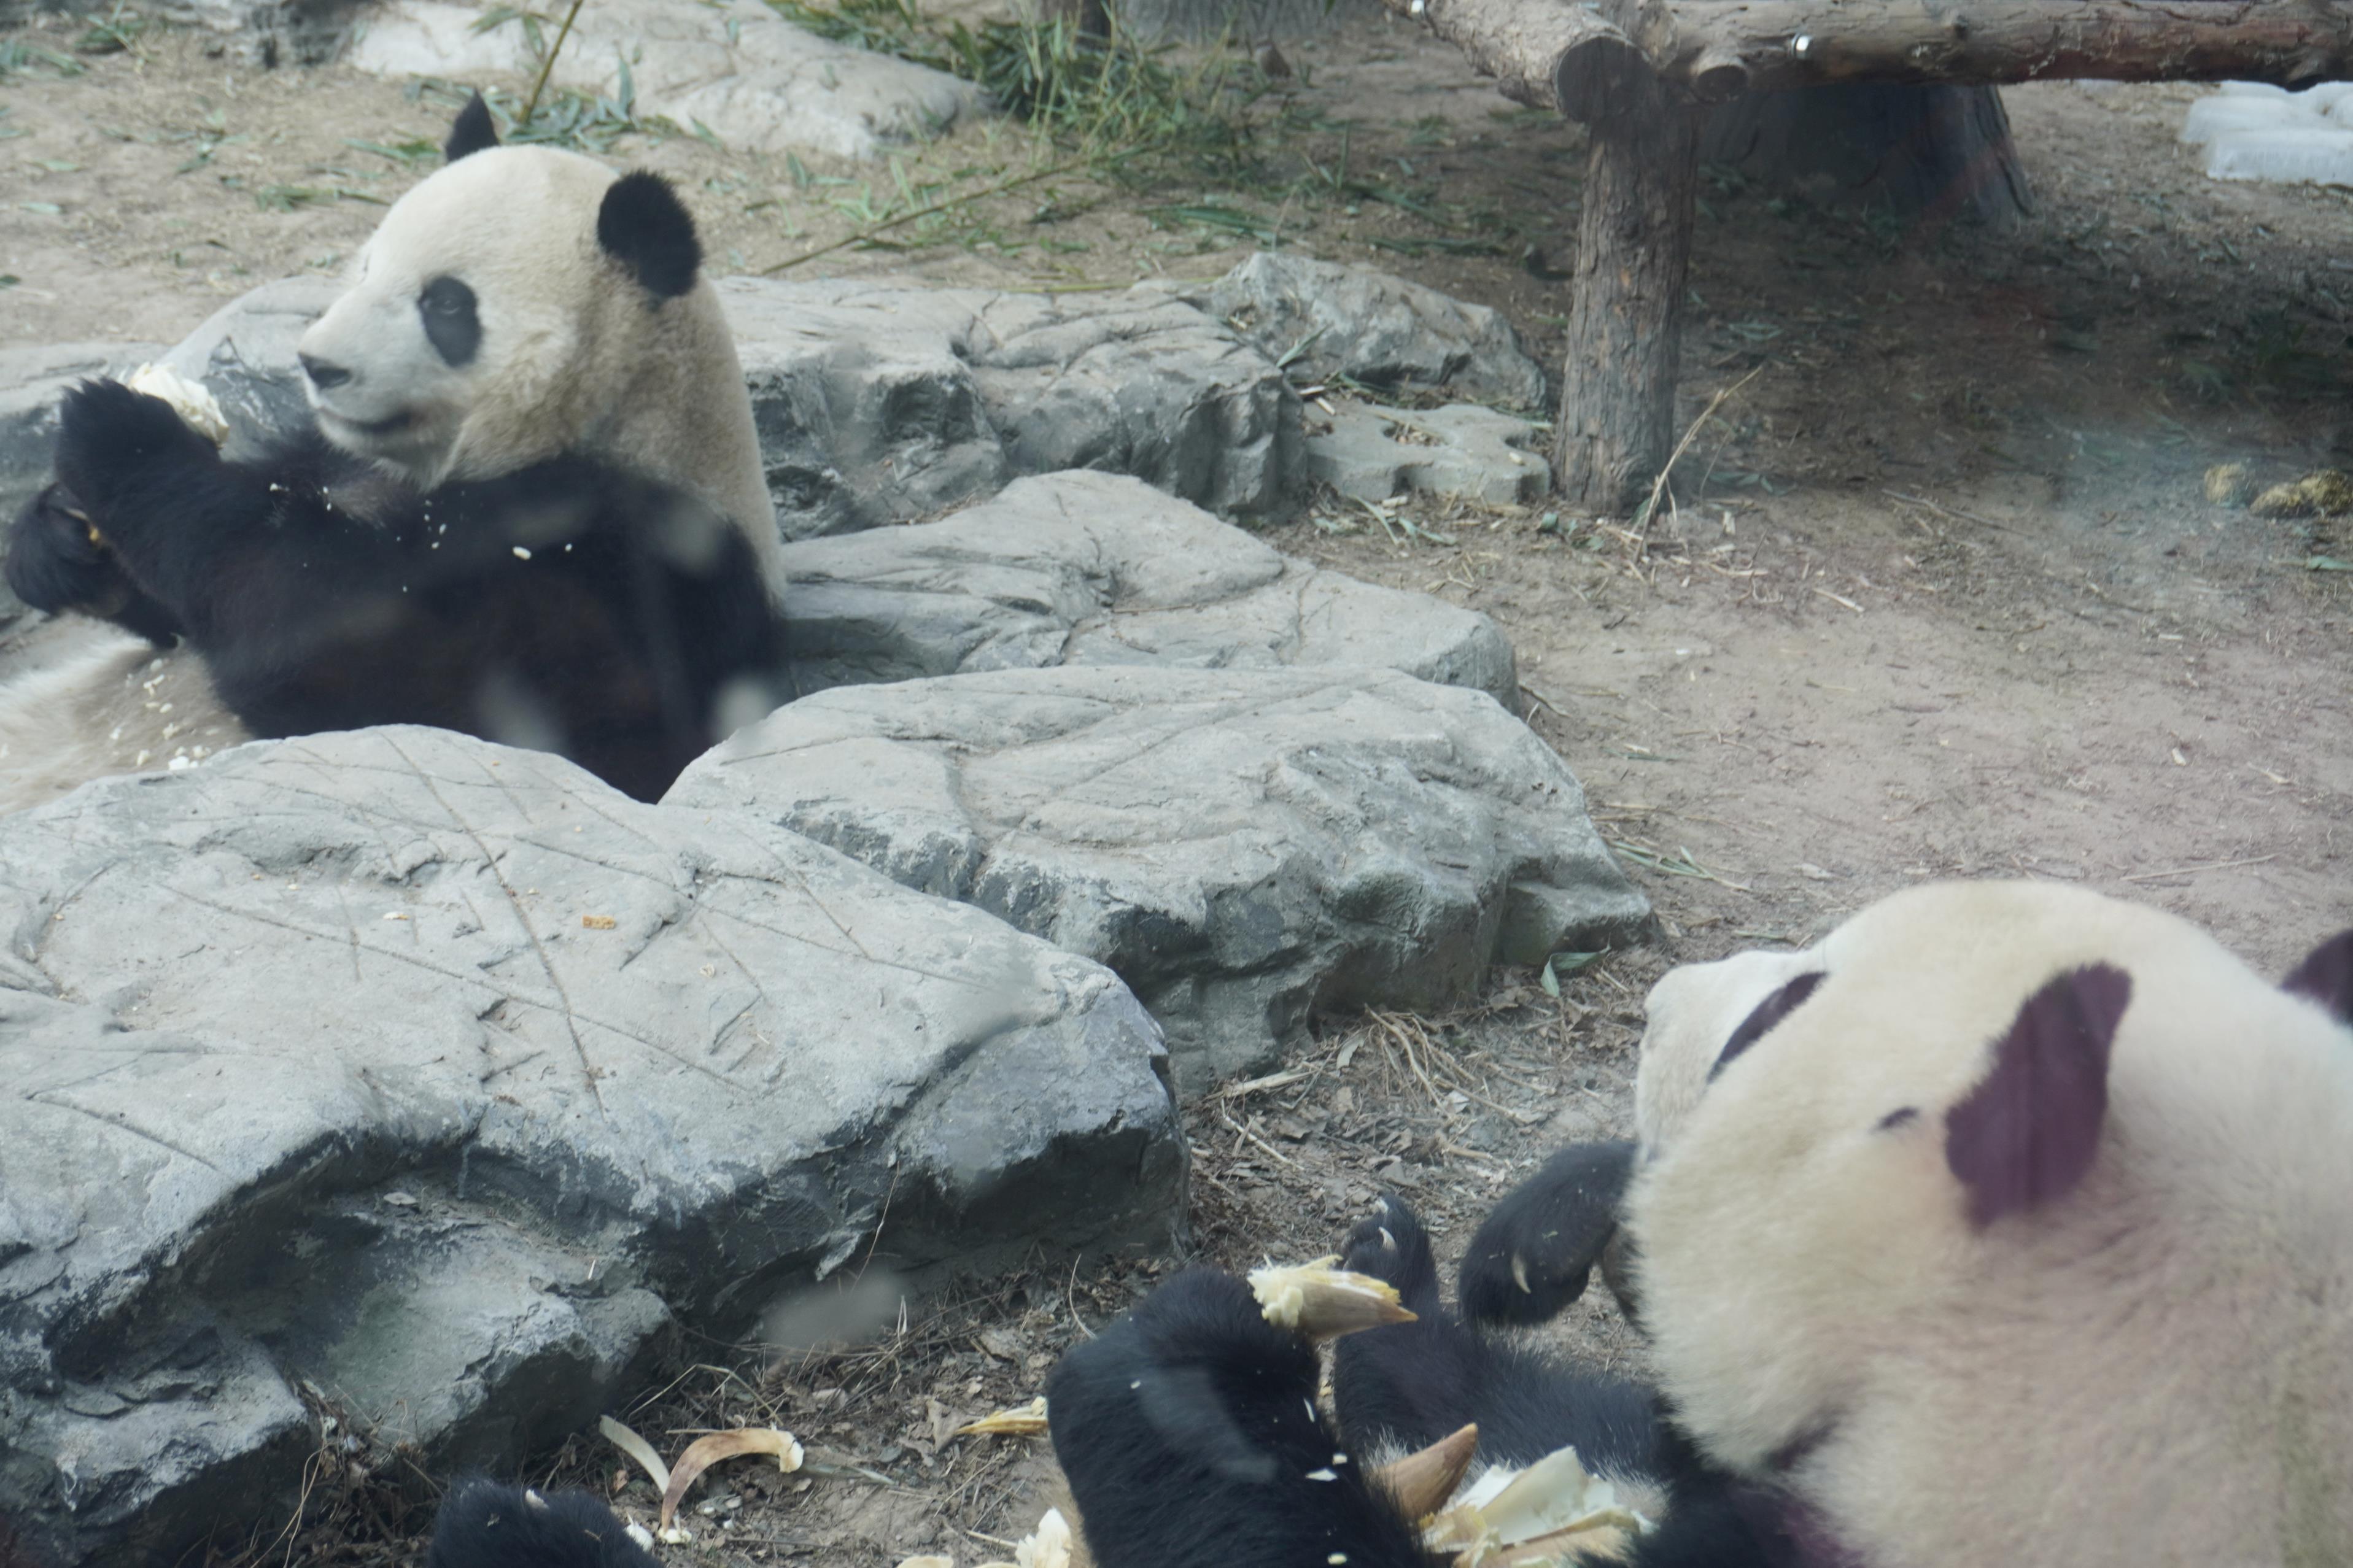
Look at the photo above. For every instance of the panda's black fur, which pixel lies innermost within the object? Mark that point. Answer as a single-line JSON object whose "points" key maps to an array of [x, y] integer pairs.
{"points": [[393, 606], [568, 604], [1409, 1385], [1189, 1434], [486, 1524], [1534, 1251]]}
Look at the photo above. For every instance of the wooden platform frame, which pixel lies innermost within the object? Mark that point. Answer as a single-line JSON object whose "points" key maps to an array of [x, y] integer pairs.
{"points": [[1640, 72]]}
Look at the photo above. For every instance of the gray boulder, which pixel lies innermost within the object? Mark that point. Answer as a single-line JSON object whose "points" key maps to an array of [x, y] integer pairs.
{"points": [[878, 402], [1097, 569], [404, 1075], [1241, 845], [1331, 321]]}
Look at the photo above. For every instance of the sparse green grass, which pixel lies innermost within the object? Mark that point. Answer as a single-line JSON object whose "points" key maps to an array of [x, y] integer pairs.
{"points": [[115, 33], [1102, 96], [18, 57], [581, 121]]}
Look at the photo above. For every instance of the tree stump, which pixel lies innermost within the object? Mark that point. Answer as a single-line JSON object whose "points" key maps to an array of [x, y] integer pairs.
{"points": [[1625, 323]]}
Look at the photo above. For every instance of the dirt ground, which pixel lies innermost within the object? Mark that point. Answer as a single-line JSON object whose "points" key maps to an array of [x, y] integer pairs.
{"points": [[1939, 595]]}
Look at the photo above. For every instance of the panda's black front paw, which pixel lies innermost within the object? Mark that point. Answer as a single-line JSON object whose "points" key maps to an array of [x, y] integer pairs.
{"points": [[484, 1524], [110, 438], [1534, 1254], [1390, 1244], [55, 559]]}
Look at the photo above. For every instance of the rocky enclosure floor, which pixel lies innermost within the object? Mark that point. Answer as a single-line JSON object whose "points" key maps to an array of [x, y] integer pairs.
{"points": [[1940, 595]]}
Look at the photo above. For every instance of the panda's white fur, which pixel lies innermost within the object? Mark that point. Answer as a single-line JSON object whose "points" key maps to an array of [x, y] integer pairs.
{"points": [[108, 699], [2155, 1367], [580, 363]]}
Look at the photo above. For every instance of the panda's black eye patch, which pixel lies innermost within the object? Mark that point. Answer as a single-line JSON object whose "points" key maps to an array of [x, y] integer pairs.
{"points": [[1767, 1013], [451, 324]]}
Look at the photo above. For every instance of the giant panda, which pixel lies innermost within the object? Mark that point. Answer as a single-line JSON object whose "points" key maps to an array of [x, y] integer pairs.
{"points": [[530, 507], [2010, 1225]]}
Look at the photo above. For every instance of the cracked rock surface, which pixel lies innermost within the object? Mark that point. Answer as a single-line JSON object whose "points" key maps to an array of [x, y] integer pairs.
{"points": [[433, 1080], [1096, 569], [1241, 845], [1376, 329]]}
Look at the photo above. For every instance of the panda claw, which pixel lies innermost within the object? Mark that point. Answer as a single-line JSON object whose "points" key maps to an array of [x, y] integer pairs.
{"points": [[1388, 1244]]}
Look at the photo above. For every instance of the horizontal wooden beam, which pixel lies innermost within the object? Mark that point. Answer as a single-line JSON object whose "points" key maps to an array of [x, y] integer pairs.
{"points": [[1560, 55], [1520, 43]]}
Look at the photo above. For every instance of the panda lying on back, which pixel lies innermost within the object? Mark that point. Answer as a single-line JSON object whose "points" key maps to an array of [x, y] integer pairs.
{"points": [[2010, 1228], [532, 509]]}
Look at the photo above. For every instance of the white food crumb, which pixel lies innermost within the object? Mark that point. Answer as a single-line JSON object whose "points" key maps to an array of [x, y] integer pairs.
{"points": [[520, 553]]}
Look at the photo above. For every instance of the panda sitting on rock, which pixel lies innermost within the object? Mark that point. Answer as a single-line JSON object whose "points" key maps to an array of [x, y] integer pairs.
{"points": [[531, 508], [2010, 1227]]}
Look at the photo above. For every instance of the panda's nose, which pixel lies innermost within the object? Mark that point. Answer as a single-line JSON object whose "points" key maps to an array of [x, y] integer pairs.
{"points": [[323, 376]]}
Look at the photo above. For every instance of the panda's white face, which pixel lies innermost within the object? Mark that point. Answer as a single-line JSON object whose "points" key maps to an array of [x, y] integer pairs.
{"points": [[485, 329], [2020, 1236], [1689, 1014]]}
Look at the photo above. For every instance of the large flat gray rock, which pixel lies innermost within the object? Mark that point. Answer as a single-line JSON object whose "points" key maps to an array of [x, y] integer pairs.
{"points": [[432, 1079], [1096, 569], [1241, 845]]}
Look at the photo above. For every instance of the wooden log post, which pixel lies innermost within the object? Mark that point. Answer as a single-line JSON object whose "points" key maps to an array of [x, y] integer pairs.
{"points": [[1634, 251]]}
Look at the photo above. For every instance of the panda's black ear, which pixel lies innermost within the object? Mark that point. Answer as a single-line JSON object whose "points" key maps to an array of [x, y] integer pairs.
{"points": [[644, 225], [2028, 1133], [473, 131], [2325, 976]]}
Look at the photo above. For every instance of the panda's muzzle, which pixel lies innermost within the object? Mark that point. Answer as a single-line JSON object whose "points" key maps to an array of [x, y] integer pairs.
{"points": [[324, 374], [387, 426]]}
